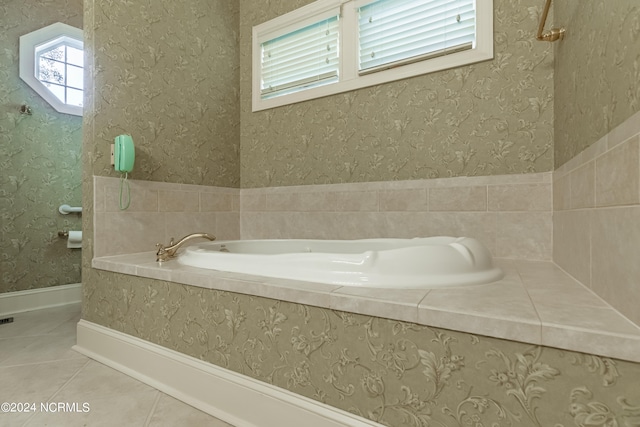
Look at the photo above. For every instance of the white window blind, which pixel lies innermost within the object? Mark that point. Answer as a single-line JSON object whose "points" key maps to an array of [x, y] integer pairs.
{"points": [[396, 32], [300, 59]]}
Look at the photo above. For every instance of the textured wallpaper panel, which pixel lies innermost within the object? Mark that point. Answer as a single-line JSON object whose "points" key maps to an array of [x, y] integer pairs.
{"points": [[166, 72], [39, 161], [396, 373], [494, 117], [597, 83]]}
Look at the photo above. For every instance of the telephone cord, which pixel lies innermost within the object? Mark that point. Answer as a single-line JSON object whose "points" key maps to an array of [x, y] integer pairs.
{"points": [[123, 182]]}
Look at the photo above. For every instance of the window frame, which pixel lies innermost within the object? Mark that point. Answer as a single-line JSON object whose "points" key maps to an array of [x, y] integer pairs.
{"points": [[32, 44], [349, 76]]}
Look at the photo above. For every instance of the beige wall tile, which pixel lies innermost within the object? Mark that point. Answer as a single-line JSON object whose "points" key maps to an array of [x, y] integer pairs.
{"points": [[316, 201], [215, 202], [178, 224], [178, 201], [479, 225], [252, 225], [524, 235], [357, 225], [127, 232], [531, 197], [143, 199], [227, 226], [458, 199], [253, 202], [404, 225], [322, 212], [615, 273], [562, 192], [324, 225], [99, 191], [350, 201], [275, 225], [583, 186], [301, 202], [403, 200], [618, 175], [572, 243]]}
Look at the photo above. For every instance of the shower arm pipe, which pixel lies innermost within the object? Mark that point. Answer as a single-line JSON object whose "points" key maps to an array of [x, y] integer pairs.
{"points": [[554, 33]]}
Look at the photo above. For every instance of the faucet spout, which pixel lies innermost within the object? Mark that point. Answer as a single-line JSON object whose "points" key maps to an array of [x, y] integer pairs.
{"points": [[165, 253]]}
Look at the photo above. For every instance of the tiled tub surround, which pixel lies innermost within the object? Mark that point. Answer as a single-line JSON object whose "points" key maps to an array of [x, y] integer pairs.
{"points": [[597, 217], [536, 302], [158, 212], [510, 214]]}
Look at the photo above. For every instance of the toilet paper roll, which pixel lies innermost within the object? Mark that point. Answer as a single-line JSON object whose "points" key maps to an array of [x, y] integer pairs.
{"points": [[75, 239]]}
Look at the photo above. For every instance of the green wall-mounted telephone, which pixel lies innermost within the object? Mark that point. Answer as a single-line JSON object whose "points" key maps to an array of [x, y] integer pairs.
{"points": [[124, 153]]}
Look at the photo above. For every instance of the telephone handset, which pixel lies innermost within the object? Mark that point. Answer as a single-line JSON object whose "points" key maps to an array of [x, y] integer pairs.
{"points": [[123, 153]]}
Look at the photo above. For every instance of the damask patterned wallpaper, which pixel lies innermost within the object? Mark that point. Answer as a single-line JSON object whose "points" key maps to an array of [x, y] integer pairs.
{"points": [[40, 161], [166, 72], [490, 118], [597, 83], [396, 373]]}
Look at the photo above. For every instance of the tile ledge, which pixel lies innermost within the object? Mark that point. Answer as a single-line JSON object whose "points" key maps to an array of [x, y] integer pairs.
{"points": [[578, 339]]}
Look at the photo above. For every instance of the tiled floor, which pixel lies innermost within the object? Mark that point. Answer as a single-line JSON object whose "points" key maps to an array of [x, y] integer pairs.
{"points": [[38, 366]]}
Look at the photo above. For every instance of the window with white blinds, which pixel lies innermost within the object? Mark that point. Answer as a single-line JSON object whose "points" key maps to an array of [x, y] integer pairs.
{"points": [[333, 46], [396, 32], [301, 59]]}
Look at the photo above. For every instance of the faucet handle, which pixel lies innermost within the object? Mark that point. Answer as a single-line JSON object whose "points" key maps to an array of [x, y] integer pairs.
{"points": [[161, 254]]}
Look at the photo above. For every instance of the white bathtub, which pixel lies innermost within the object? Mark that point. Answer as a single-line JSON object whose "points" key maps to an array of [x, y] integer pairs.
{"points": [[382, 263]]}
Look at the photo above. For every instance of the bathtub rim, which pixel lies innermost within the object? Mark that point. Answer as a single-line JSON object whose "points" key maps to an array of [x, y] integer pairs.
{"points": [[514, 311], [461, 252]]}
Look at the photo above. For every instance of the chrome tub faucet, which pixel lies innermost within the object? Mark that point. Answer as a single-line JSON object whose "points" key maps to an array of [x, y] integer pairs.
{"points": [[165, 253]]}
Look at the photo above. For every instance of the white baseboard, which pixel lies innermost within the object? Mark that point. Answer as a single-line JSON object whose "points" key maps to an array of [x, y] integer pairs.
{"points": [[35, 299], [234, 398]]}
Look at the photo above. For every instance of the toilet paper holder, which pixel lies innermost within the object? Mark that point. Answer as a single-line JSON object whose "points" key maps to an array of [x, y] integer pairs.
{"points": [[63, 234], [74, 238]]}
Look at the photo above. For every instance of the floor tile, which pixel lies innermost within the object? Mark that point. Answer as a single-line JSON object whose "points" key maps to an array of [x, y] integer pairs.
{"points": [[38, 366], [44, 348], [98, 381]]}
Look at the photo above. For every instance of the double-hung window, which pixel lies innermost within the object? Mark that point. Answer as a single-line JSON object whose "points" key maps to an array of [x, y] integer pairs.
{"points": [[333, 46]]}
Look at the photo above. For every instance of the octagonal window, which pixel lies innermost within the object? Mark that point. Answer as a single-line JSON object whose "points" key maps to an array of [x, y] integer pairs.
{"points": [[52, 62]]}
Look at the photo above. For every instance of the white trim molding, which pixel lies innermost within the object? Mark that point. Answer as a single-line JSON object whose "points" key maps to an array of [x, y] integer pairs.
{"points": [[35, 299], [224, 394]]}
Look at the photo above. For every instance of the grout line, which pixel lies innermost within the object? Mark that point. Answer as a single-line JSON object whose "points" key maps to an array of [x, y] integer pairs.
{"points": [[533, 304], [39, 362], [69, 380], [153, 408], [590, 214], [486, 199]]}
